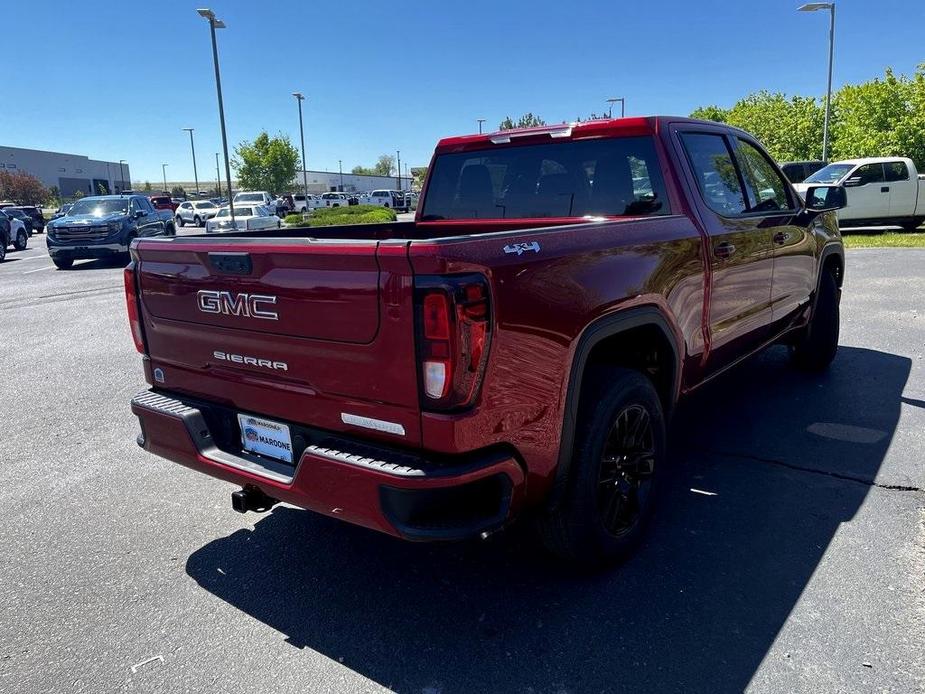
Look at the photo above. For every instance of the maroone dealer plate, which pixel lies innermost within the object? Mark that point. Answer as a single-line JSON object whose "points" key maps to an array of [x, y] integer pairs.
{"points": [[265, 437]]}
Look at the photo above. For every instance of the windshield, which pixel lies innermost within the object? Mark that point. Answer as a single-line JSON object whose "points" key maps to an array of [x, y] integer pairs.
{"points": [[248, 197], [829, 174], [100, 208], [238, 211], [613, 177]]}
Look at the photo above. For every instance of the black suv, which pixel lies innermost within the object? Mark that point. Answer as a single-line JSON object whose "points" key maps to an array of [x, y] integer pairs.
{"points": [[21, 214]]}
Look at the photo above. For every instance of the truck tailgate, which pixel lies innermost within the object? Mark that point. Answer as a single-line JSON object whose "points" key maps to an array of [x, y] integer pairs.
{"points": [[304, 330]]}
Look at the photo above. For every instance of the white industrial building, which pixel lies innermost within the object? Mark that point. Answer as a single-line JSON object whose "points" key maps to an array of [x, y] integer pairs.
{"points": [[68, 173], [329, 181]]}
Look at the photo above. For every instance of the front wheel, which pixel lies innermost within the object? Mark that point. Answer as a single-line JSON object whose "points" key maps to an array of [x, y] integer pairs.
{"points": [[197, 222], [620, 452], [180, 221], [170, 230], [815, 348], [3, 245], [63, 263], [22, 240]]}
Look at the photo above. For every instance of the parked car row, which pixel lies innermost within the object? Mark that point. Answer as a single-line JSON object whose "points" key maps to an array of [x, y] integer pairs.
{"points": [[12, 233], [30, 214], [246, 218]]}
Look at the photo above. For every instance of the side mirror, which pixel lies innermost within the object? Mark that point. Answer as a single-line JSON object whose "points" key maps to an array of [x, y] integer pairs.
{"points": [[826, 198], [853, 182], [140, 213]]}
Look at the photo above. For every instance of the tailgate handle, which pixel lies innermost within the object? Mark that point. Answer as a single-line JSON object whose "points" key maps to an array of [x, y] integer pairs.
{"points": [[231, 263]]}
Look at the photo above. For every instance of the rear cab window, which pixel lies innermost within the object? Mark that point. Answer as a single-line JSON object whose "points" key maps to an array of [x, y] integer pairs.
{"points": [[896, 171], [617, 176]]}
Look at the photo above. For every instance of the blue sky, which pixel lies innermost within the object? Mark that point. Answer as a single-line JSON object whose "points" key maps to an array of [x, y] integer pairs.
{"points": [[114, 81]]}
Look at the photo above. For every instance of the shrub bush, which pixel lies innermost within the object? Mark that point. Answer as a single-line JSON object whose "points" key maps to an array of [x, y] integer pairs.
{"points": [[346, 210], [294, 220], [368, 214]]}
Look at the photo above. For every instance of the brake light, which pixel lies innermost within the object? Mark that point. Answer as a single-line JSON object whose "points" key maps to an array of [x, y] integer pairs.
{"points": [[454, 335], [131, 304]]}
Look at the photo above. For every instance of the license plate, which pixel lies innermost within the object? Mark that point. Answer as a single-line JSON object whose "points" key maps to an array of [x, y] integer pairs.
{"points": [[265, 437]]}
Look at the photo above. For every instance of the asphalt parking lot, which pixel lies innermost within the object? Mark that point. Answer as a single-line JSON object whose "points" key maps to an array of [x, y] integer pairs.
{"points": [[789, 554]]}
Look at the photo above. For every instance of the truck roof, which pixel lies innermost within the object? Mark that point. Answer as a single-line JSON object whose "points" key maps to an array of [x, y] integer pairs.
{"points": [[602, 127], [871, 160]]}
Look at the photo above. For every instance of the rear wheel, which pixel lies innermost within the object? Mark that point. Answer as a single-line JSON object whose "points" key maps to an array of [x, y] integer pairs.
{"points": [[815, 349], [63, 263], [618, 460], [913, 224], [3, 244], [22, 240]]}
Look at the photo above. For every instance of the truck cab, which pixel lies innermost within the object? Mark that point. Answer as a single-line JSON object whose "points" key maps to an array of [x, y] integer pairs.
{"points": [[880, 191]]}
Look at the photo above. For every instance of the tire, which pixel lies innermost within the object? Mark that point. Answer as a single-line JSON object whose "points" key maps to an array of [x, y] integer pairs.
{"points": [[197, 222], [170, 229], [180, 221], [609, 499], [22, 240], [912, 224], [386, 205], [3, 244], [63, 263], [815, 349]]}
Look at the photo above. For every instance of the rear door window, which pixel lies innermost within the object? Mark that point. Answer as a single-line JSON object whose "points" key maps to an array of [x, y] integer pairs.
{"points": [[715, 171], [896, 171], [606, 177]]}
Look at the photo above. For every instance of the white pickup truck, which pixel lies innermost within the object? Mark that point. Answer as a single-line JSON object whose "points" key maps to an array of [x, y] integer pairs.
{"points": [[881, 191]]}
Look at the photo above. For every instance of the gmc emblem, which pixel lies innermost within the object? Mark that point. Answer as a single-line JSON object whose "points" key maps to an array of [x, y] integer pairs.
{"points": [[248, 305]]}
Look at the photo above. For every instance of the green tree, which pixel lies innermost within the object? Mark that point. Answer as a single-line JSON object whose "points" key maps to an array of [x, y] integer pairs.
{"points": [[384, 166], [177, 192], [147, 187], [881, 118], [267, 163], [528, 120], [714, 113]]}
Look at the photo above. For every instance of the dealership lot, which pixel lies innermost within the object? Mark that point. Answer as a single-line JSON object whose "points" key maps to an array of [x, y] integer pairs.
{"points": [[788, 555]]}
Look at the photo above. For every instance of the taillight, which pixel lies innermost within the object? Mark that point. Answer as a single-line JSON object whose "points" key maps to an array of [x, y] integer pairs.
{"points": [[131, 304], [454, 332]]}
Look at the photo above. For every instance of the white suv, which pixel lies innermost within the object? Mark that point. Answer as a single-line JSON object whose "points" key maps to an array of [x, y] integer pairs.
{"points": [[196, 212], [388, 198]]}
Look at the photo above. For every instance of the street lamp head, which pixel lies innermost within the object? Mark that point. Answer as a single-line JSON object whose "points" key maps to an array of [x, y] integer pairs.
{"points": [[299, 96], [813, 6], [189, 130], [206, 12]]}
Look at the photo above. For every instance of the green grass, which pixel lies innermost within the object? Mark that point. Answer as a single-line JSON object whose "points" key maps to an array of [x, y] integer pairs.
{"points": [[886, 239], [358, 214]]}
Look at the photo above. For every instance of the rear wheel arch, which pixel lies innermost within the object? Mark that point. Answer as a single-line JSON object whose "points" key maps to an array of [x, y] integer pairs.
{"points": [[639, 338]]}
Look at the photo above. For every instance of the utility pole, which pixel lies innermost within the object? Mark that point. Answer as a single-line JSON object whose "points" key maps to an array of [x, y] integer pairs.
{"points": [[122, 174], [622, 106], [218, 177], [164, 171], [480, 120], [398, 168], [830, 6], [193, 149], [340, 168], [214, 24], [300, 98]]}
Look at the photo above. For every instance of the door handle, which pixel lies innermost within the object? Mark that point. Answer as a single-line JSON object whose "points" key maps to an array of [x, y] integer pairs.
{"points": [[781, 237], [884, 189], [724, 250]]}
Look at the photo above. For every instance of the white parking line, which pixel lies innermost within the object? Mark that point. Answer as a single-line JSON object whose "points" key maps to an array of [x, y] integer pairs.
{"points": [[29, 272]]}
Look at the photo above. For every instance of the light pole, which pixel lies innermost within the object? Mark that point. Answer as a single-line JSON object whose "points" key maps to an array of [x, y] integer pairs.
{"points": [[122, 174], [622, 106], [164, 171], [398, 168], [830, 6], [214, 24], [480, 121], [340, 168], [300, 98], [193, 149], [218, 178]]}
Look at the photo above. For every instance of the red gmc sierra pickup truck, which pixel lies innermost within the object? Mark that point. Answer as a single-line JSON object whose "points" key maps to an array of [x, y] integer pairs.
{"points": [[517, 348]]}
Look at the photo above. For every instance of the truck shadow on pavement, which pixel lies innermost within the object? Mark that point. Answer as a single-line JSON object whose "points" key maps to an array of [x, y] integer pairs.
{"points": [[769, 463]]}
